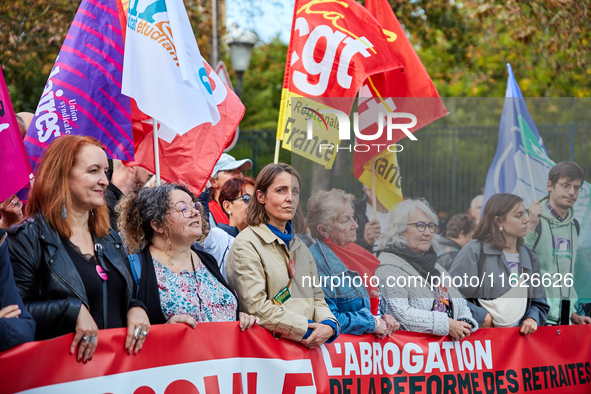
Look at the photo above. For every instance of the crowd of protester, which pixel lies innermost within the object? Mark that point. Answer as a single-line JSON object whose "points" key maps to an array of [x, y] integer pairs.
{"points": [[92, 252]]}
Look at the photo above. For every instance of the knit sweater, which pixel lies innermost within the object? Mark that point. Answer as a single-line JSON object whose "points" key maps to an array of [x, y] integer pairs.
{"points": [[411, 305]]}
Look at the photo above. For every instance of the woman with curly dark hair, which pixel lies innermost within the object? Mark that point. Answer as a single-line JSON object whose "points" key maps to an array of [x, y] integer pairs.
{"points": [[177, 282]]}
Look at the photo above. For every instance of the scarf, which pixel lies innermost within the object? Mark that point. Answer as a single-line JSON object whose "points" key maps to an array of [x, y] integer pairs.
{"points": [[357, 259], [283, 236], [423, 263]]}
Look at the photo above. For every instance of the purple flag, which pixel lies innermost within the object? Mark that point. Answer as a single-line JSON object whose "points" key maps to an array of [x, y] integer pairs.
{"points": [[16, 170], [83, 93]]}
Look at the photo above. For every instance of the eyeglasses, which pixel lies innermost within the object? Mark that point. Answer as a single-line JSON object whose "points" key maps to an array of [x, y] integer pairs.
{"points": [[187, 209], [567, 186], [422, 226], [245, 197]]}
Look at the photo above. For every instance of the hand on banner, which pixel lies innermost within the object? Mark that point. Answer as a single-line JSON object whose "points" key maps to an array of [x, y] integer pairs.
{"points": [[458, 329], [320, 334], [85, 336], [575, 318], [528, 326], [188, 320], [488, 322], [372, 231], [11, 210], [535, 212], [381, 328], [247, 321], [10, 311], [138, 326], [392, 324]]}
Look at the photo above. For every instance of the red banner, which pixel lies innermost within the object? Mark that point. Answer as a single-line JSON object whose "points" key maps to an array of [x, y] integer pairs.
{"points": [[217, 358]]}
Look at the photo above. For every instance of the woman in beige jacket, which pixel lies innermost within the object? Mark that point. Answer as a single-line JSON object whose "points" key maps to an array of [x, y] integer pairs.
{"points": [[271, 268]]}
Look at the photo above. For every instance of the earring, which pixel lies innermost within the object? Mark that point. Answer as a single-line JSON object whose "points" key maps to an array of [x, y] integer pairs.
{"points": [[64, 212], [501, 228], [229, 213], [92, 214]]}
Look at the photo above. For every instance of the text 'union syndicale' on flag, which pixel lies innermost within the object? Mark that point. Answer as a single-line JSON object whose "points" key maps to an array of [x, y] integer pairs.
{"points": [[82, 95]]}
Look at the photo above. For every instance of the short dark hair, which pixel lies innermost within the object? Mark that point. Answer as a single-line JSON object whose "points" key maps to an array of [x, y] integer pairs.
{"points": [[458, 224], [500, 205], [567, 169], [233, 188]]}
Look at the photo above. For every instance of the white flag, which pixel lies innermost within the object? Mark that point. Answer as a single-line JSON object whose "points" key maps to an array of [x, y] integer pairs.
{"points": [[163, 69]]}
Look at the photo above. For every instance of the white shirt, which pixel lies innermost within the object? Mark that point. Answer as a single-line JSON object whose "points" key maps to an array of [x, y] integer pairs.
{"points": [[218, 244], [383, 218]]}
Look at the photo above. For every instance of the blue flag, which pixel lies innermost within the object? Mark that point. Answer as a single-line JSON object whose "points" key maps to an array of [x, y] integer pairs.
{"points": [[521, 163]]}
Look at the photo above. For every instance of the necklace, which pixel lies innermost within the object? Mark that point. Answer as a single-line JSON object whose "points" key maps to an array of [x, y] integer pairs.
{"points": [[196, 282]]}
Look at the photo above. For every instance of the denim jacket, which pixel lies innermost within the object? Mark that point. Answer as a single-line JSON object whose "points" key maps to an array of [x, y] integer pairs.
{"points": [[349, 304]]}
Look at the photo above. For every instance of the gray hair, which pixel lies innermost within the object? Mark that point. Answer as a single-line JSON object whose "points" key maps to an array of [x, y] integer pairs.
{"points": [[325, 207], [394, 235], [475, 199]]}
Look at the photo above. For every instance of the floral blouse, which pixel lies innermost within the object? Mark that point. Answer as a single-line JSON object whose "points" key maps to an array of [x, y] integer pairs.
{"points": [[198, 294]]}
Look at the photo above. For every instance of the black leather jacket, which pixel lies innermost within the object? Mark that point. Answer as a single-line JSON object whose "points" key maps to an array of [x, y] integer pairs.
{"points": [[47, 279]]}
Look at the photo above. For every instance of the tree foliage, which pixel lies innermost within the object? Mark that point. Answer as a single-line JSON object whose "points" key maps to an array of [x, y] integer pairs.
{"points": [[32, 33], [463, 44], [261, 86]]}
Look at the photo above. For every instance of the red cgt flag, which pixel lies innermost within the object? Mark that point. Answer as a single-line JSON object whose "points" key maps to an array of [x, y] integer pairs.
{"points": [[188, 159], [407, 91], [335, 45]]}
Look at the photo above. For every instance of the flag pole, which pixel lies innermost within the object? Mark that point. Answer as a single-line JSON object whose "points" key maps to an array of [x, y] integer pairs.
{"points": [[277, 147], [531, 177], [373, 190], [156, 155]]}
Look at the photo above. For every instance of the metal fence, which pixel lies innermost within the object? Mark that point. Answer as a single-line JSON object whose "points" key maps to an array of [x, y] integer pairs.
{"points": [[447, 165]]}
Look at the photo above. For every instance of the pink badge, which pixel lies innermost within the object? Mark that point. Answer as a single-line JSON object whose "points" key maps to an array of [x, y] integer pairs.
{"points": [[101, 272]]}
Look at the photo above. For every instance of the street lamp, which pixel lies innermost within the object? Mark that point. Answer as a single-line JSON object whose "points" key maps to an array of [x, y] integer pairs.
{"points": [[240, 54]]}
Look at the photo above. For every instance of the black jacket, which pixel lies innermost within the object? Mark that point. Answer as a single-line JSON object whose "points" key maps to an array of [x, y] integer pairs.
{"points": [[362, 220], [47, 279], [112, 197], [148, 284], [14, 330]]}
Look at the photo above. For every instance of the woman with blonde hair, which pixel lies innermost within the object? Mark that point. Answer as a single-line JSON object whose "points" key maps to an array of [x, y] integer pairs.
{"points": [[69, 266], [332, 221]]}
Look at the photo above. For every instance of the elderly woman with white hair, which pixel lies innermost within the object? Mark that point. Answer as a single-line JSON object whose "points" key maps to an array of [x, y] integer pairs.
{"points": [[331, 220], [407, 267]]}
